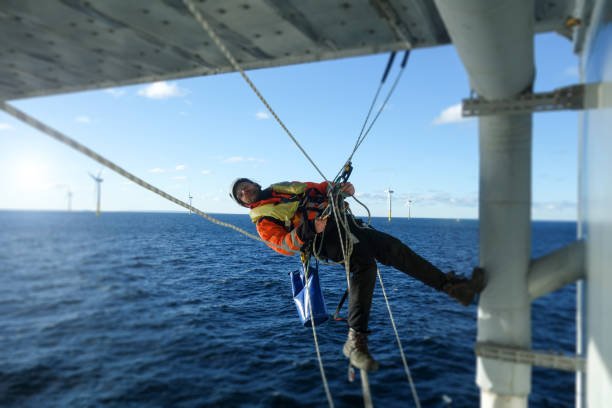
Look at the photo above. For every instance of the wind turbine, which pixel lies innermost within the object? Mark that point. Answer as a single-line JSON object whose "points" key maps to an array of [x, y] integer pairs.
{"points": [[98, 181], [190, 197], [389, 192], [409, 202], [69, 197]]}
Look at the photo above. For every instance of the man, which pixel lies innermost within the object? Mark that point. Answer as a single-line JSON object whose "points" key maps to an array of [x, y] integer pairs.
{"points": [[288, 218]]}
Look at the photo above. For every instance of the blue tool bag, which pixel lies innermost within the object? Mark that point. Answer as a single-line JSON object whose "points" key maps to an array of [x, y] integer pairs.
{"points": [[300, 296]]}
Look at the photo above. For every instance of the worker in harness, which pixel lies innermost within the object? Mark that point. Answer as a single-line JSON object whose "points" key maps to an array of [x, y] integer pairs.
{"points": [[287, 216]]}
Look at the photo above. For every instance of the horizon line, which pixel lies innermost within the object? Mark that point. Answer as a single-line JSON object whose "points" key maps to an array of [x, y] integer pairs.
{"points": [[220, 213]]}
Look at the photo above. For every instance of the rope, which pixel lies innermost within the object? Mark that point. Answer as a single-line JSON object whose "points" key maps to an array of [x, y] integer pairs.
{"points": [[364, 206], [399, 35], [209, 30], [399, 343], [382, 82], [382, 107], [204, 24], [362, 134], [24, 117], [365, 389], [365, 122], [330, 401], [347, 250], [334, 198]]}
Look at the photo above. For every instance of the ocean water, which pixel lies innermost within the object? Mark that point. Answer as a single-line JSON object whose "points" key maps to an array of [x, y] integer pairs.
{"points": [[169, 310]]}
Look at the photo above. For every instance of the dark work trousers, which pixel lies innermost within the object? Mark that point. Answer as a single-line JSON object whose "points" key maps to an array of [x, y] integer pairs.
{"points": [[374, 246]]}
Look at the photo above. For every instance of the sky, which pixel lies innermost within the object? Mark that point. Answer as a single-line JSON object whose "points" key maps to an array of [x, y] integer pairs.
{"points": [[195, 136]]}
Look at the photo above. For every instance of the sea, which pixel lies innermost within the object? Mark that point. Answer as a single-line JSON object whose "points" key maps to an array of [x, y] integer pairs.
{"points": [[136, 309]]}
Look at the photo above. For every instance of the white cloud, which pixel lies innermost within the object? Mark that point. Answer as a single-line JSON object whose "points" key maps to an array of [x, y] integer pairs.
{"points": [[240, 159], [82, 119], [262, 115], [5, 126], [162, 90], [157, 170], [181, 167], [571, 72], [430, 198], [235, 159], [555, 205], [442, 197], [371, 196], [115, 92], [450, 115], [206, 172]]}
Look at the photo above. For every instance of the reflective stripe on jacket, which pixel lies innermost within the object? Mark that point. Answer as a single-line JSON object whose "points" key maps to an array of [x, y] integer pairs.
{"points": [[280, 218]]}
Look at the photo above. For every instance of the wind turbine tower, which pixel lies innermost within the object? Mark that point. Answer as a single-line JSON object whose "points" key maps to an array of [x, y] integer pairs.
{"points": [[98, 181], [409, 202], [69, 197], [190, 197], [389, 192]]}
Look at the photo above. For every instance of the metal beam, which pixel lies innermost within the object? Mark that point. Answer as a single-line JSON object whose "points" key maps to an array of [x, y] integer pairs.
{"points": [[552, 360], [574, 97], [555, 270]]}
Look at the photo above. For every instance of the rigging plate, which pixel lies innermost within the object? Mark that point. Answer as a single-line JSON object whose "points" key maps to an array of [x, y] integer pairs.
{"points": [[530, 357], [574, 97]]}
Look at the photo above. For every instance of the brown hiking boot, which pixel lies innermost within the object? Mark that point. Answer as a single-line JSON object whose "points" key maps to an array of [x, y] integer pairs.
{"points": [[463, 290], [356, 349]]}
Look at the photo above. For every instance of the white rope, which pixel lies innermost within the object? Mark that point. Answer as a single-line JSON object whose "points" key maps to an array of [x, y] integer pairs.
{"points": [[330, 401], [347, 250], [399, 35], [365, 388], [24, 117], [341, 220], [399, 343], [204, 24]]}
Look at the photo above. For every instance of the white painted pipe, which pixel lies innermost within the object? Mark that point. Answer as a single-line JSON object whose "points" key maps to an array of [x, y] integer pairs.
{"points": [[556, 269], [504, 309], [494, 40]]}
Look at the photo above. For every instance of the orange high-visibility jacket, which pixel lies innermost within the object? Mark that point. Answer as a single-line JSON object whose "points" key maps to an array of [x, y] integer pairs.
{"points": [[280, 216]]}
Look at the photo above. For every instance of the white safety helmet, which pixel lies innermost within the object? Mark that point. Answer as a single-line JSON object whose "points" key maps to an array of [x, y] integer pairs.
{"points": [[232, 191]]}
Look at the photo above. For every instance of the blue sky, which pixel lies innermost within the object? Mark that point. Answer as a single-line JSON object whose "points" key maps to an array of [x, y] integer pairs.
{"points": [[197, 135]]}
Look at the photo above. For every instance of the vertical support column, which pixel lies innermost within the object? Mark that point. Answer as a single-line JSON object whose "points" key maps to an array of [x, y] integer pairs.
{"points": [[494, 40], [505, 240]]}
